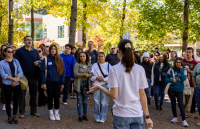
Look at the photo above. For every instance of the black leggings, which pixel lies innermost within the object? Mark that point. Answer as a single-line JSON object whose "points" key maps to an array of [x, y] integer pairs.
{"points": [[179, 95], [53, 92], [9, 91]]}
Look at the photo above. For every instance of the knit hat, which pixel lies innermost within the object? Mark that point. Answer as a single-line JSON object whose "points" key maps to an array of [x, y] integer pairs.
{"points": [[145, 54]]}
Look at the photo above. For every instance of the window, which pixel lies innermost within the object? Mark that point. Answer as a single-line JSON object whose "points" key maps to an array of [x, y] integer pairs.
{"points": [[61, 31], [45, 33]]}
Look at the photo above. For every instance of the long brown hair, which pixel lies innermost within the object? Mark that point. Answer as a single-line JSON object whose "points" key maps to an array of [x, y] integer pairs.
{"points": [[58, 60], [128, 58]]}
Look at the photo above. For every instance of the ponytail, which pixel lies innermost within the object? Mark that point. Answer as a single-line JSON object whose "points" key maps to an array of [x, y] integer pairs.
{"points": [[128, 58]]}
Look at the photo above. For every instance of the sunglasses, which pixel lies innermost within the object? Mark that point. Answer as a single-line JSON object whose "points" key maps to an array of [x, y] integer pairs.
{"points": [[39, 51], [113, 48], [10, 52]]}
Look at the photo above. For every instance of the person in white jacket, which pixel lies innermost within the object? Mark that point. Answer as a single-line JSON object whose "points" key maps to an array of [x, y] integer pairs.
{"points": [[100, 71]]}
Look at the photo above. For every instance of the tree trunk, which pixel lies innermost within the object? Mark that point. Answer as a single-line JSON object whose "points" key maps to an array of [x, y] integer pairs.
{"points": [[73, 18], [186, 21], [11, 27], [32, 26], [122, 21], [84, 26]]}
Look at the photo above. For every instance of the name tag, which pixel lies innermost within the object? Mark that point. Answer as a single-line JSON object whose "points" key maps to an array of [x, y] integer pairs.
{"points": [[49, 63]]}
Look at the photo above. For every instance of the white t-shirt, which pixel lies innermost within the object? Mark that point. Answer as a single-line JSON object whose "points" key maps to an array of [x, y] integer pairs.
{"points": [[197, 58], [96, 71], [127, 103]]}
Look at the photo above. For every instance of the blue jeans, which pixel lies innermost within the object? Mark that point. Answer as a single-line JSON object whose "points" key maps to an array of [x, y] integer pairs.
{"points": [[147, 91], [159, 90], [100, 104], [128, 122], [197, 97], [152, 91], [81, 99]]}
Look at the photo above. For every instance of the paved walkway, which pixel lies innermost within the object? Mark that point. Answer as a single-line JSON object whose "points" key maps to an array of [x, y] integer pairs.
{"points": [[69, 119]]}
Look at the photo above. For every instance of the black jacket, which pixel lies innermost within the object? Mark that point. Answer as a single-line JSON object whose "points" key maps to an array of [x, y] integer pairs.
{"points": [[112, 59], [163, 73], [147, 67], [137, 59]]}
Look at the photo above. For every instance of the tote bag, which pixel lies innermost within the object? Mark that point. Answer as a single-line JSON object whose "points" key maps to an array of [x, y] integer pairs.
{"points": [[187, 90], [168, 84]]}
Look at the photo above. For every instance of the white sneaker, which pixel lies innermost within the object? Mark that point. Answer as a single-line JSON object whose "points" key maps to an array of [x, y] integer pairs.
{"points": [[97, 121], [64, 103], [51, 115], [11, 106], [174, 120], [185, 124], [101, 121], [4, 107], [198, 124], [57, 115]]}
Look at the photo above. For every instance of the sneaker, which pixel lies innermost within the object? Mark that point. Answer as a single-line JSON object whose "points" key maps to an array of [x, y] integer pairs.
{"points": [[185, 124], [74, 96], [11, 106], [14, 119], [57, 115], [71, 97], [97, 121], [35, 114], [4, 107], [174, 120], [21, 115], [64, 103], [51, 115], [102, 121], [198, 124]]}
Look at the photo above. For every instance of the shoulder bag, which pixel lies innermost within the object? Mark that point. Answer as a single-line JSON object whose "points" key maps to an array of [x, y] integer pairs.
{"points": [[23, 81], [168, 84], [102, 71]]}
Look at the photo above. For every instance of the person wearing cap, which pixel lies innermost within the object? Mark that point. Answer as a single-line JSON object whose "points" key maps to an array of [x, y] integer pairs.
{"points": [[148, 68]]}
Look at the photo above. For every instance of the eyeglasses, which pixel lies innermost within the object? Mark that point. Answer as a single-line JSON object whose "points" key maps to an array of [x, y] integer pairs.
{"points": [[179, 58], [39, 51], [29, 40], [113, 48], [10, 52], [178, 62]]}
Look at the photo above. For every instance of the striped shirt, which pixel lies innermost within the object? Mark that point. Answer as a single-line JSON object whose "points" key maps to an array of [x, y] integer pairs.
{"points": [[5, 71]]}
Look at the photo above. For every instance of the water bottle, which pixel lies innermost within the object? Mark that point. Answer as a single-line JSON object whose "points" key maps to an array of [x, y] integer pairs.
{"points": [[148, 127]]}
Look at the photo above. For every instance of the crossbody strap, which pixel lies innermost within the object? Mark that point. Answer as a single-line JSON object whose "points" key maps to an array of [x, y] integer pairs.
{"points": [[17, 67], [45, 67], [101, 70]]}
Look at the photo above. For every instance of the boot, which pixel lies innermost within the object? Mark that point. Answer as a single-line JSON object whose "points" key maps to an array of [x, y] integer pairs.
{"points": [[80, 119], [85, 118], [51, 115], [157, 107], [14, 119], [161, 104], [10, 120], [57, 115]]}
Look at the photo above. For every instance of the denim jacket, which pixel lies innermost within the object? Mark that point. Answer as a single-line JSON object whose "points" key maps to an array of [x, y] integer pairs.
{"points": [[80, 73], [5, 71]]}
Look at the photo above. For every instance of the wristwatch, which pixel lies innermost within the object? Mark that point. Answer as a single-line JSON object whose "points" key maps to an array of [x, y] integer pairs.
{"points": [[147, 116]]}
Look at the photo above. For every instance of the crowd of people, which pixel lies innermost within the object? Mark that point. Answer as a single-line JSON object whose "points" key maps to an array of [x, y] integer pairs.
{"points": [[132, 82]]}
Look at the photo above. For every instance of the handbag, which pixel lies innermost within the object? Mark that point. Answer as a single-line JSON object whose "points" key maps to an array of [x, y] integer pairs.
{"points": [[104, 76], [168, 84], [23, 81], [187, 89]]}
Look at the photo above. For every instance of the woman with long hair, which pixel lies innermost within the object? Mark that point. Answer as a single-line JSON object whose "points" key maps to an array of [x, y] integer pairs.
{"points": [[176, 76], [127, 81], [11, 72], [46, 51], [3, 100], [100, 71], [82, 83], [159, 73], [173, 58], [52, 74], [148, 68]]}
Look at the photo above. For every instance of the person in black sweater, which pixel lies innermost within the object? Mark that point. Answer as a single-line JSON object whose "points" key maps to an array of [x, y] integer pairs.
{"points": [[112, 58], [159, 72], [147, 67], [27, 57]]}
